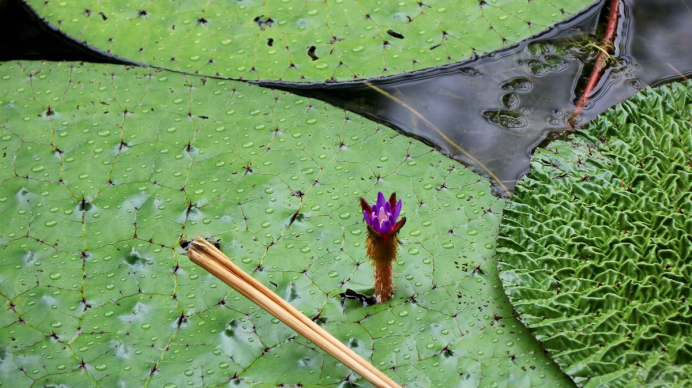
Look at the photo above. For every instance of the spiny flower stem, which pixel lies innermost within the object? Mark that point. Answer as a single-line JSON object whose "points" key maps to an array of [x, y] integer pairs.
{"points": [[382, 253], [383, 241]]}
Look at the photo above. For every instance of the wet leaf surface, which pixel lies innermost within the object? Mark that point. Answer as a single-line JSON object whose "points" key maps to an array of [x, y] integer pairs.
{"points": [[105, 168], [297, 40]]}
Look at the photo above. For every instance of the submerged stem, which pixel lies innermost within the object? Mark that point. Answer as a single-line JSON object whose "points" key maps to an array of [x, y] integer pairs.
{"points": [[601, 60]]}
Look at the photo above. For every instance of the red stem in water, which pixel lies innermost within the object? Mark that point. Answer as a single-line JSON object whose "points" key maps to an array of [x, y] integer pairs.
{"points": [[601, 59]]}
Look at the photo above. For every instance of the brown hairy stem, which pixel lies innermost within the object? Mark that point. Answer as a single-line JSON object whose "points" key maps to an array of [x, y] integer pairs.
{"points": [[382, 252]]}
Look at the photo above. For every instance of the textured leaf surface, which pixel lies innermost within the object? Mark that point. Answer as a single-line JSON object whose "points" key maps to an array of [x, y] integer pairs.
{"points": [[300, 40], [597, 242], [105, 167]]}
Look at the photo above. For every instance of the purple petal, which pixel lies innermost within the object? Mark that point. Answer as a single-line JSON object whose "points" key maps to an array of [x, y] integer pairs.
{"points": [[387, 208], [380, 199], [375, 211], [397, 210], [368, 218], [386, 227], [375, 226]]}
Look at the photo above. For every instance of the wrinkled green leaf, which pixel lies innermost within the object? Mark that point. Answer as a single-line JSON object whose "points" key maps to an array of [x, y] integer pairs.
{"points": [[297, 40], [597, 242], [104, 168]]}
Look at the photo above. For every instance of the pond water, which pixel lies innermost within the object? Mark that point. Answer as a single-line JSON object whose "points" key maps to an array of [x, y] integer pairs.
{"points": [[489, 112]]}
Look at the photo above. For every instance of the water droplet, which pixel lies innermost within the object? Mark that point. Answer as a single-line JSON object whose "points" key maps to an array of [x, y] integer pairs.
{"points": [[55, 275], [50, 224], [403, 313]]}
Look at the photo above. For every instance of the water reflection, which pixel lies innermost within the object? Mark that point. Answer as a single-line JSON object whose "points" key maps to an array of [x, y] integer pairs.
{"points": [[491, 112]]}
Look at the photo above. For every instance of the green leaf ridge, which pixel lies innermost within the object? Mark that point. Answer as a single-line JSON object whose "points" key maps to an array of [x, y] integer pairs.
{"points": [[595, 245]]}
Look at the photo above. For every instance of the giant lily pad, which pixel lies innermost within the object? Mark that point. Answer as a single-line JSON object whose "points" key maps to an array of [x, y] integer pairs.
{"points": [[597, 242], [297, 40], [105, 167]]}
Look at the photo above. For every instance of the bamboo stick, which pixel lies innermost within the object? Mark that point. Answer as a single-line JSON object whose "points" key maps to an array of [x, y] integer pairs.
{"points": [[207, 256]]}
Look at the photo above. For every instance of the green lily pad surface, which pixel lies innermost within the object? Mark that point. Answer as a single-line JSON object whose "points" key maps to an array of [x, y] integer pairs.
{"points": [[597, 245], [104, 168], [299, 40]]}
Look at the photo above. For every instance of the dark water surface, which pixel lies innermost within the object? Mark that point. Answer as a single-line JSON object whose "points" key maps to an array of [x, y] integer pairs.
{"points": [[489, 112], [24, 37]]}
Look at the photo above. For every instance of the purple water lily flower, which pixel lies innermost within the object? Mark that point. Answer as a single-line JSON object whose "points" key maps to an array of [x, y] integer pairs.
{"points": [[382, 216]]}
